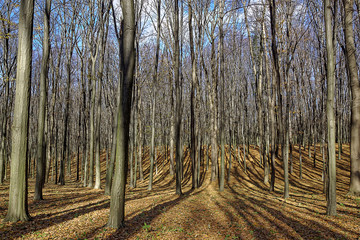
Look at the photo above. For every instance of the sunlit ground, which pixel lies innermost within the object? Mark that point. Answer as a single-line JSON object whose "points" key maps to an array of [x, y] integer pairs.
{"points": [[245, 210]]}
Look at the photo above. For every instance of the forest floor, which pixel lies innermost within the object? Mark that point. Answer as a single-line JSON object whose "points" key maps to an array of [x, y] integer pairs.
{"points": [[245, 210]]}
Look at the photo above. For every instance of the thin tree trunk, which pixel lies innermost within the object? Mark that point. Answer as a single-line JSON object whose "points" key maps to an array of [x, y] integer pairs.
{"points": [[331, 187], [97, 136], [104, 23], [66, 119], [41, 141], [172, 129], [178, 111], [135, 138], [155, 79], [152, 147], [278, 86], [117, 202], [300, 162], [222, 80], [111, 166], [92, 123], [193, 100], [141, 172], [269, 123]]}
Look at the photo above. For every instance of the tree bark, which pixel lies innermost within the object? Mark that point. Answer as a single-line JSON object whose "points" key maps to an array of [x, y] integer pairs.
{"points": [[177, 124], [155, 79], [138, 112], [41, 144], [117, 202], [222, 80], [111, 165], [278, 91], [331, 186], [263, 46], [194, 163], [104, 21], [152, 147], [18, 205], [355, 103]]}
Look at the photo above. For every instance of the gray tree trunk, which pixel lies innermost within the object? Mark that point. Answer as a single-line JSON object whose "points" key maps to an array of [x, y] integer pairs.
{"points": [[222, 80], [331, 186], [41, 141], [152, 147], [267, 122], [117, 202], [193, 101], [355, 103], [92, 123], [18, 205], [135, 138], [155, 79], [111, 165], [178, 94], [65, 145], [104, 23]]}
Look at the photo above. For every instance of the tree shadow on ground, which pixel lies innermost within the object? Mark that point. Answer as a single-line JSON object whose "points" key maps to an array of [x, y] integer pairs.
{"points": [[134, 224], [290, 226], [41, 221]]}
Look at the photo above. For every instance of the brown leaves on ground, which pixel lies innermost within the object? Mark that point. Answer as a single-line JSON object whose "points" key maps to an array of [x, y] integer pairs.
{"points": [[245, 210]]}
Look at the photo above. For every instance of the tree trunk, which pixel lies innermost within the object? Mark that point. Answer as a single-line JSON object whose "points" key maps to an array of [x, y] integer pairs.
{"points": [[331, 187], [222, 80], [104, 23], [84, 128], [193, 145], [66, 116], [117, 202], [41, 141], [131, 149], [178, 94], [18, 206], [300, 162], [278, 88], [92, 122], [97, 136], [172, 129], [111, 165], [152, 147], [78, 144], [135, 138], [155, 79], [355, 103]]}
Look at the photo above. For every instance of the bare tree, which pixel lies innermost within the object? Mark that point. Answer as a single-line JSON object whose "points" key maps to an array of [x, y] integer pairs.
{"points": [[355, 94], [178, 94], [222, 80], [41, 144], [117, 202], [331, 186], [155, 80], [18, 206]]}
